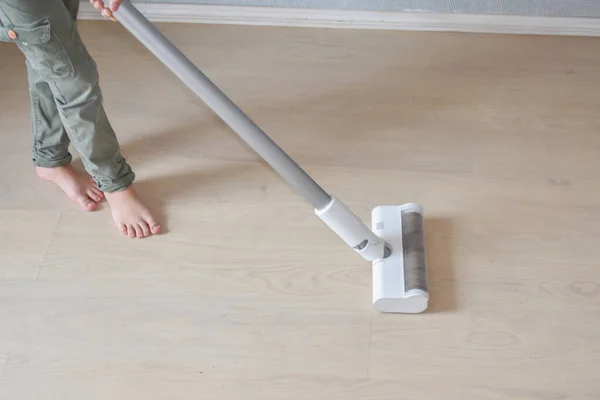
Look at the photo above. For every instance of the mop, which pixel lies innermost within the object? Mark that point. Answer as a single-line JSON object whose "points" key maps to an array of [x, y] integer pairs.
{"points": [[395, 242]]}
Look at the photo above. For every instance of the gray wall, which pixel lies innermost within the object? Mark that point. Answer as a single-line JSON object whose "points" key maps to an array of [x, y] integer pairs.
{"points": [[546, 8]]}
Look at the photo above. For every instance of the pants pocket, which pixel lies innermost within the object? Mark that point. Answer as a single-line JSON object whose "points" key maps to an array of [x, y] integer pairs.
{"points": [[43, 49]]}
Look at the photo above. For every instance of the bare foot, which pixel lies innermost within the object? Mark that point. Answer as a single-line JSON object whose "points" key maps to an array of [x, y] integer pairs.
{"points": [[80, 188], [130, 215]]}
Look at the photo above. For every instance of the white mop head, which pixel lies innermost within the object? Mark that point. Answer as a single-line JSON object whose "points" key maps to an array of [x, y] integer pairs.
{"points": [[400, 280]]}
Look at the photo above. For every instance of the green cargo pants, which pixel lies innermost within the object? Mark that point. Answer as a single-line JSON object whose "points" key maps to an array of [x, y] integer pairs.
{"points": [[65, 96]]}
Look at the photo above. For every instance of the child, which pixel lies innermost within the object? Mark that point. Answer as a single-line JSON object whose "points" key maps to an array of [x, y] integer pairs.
{"points": [[66, 108]]}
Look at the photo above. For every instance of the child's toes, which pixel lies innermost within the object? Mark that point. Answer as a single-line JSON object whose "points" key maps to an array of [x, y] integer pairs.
{"points": [[98, 192], [131, 231], [153, 225], [85, 202], [94, 195], [145, 229], [139, 232]]}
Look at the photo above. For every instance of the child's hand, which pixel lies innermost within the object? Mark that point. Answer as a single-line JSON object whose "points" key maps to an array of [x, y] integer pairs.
{"points": [[107, 11]]}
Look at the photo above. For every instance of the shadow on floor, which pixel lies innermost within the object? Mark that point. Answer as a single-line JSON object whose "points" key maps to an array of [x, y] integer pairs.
{"points": [[199, 184]]}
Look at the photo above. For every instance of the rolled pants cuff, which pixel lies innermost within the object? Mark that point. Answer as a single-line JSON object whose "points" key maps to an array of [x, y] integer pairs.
{"points": [[42, 163], [116, 185]]}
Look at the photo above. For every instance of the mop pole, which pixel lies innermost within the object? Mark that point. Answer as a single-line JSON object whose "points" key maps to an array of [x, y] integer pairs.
{"points": [[330, 209]]}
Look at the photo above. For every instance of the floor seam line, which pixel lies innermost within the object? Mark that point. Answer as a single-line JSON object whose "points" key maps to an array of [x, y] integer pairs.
{"points": [[370, 341], [41, 267]]}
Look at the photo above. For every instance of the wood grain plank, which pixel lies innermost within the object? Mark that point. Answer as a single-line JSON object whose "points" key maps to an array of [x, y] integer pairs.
{"points": [[105, 331], [24, 239], [494, 135]]}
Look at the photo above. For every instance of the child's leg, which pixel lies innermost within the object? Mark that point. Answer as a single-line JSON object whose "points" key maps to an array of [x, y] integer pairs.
{"points": [[50, 146], [72, 7], [50, 142], [47, 35]]}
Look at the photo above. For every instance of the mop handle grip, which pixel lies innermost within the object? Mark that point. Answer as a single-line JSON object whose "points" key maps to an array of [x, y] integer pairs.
{"points": [[142, 29]]}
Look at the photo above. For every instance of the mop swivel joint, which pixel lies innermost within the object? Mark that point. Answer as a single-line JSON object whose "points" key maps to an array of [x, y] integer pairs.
{"points": [[395, 247], [352, 231]]}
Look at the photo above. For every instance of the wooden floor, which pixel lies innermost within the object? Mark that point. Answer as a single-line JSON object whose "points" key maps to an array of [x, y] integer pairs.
{"points": [[249, 295]]}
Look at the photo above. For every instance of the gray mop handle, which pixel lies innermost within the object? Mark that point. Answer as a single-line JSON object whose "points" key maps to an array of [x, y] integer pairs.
{"points": [[142, 29]]}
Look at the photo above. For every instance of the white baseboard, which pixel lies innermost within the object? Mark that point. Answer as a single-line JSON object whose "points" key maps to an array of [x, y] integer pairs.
{"points": [[264, 16]]}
